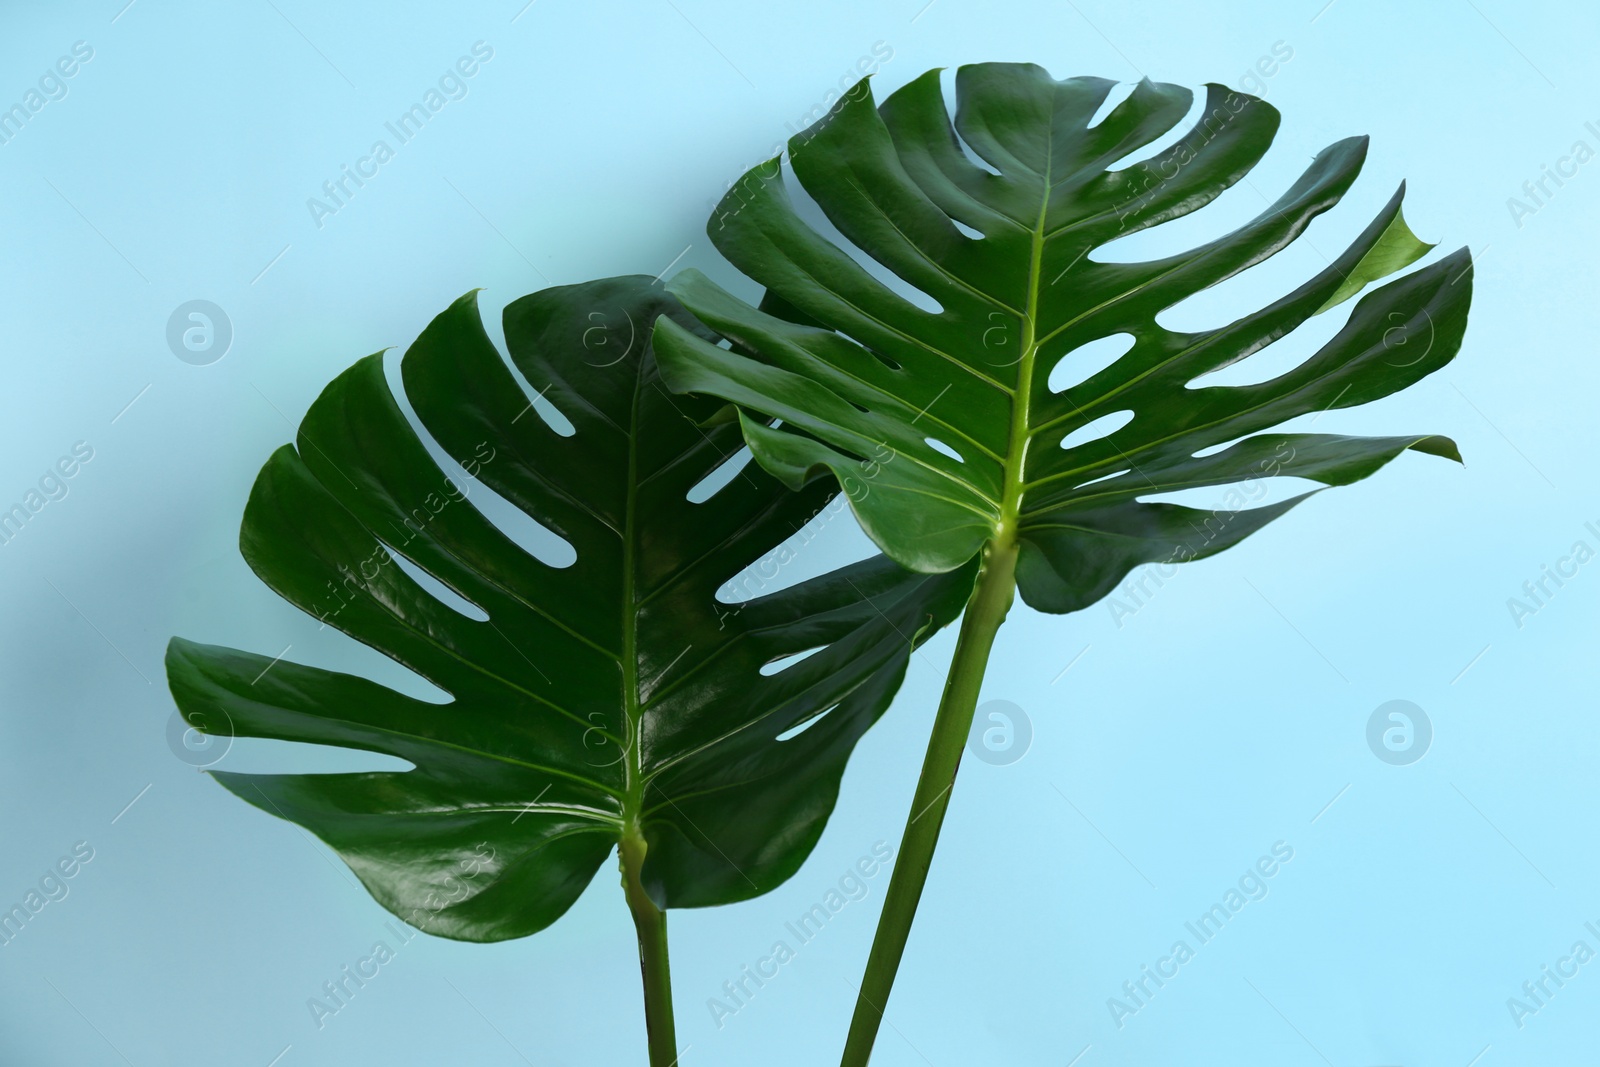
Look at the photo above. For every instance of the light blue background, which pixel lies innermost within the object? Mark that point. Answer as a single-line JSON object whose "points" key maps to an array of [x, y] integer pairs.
{"points": [[1223, 717]]}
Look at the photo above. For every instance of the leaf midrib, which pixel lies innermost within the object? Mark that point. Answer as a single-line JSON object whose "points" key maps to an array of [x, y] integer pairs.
{"points": [[633, 756], [1021, 436]]}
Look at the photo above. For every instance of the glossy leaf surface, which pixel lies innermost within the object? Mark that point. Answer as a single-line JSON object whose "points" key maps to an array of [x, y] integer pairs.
{"points": [[611, 696], [959, 395]]}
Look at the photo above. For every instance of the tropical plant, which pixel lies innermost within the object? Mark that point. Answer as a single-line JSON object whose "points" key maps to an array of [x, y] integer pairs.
{"points": [[994, 219], [610, 703]]}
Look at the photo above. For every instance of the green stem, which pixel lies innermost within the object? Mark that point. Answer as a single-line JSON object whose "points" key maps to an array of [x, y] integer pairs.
{"points": [[986, 610], [651, 924]]}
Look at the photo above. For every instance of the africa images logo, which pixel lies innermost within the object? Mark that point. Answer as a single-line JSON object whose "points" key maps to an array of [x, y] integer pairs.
{"points": [[1399, 732]]}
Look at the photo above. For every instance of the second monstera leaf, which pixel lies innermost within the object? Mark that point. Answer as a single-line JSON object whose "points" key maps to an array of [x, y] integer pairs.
{"points": [[983, 447], [994, 219], [611, 702]]}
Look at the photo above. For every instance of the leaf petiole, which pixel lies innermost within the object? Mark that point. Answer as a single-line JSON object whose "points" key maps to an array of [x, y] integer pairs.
{"points": [[654, 966], [986, 610]]}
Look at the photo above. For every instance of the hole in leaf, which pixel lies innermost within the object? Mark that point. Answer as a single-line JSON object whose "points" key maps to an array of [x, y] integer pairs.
{"points": [[1103, 478], [1251, 491], [528, 533], [972, 154], [262, 755], [1200, 226], [1104, 426], [329, 650], [1088, 359], [1247, 291], [437, 589], [812, 214], [947, 83], [830, 539], [725, 472], [940, 447], [976, 235], [800, 728], [1276, 359], [783, 662], [532, 536], [494, 325], [1196, 112], [1211, 450], [1119, 92], [551, 415]]}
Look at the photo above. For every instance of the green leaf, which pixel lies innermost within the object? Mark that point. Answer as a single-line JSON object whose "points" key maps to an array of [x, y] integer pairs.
{"points": [[1397, 249], [613, 698], [852, 370]]}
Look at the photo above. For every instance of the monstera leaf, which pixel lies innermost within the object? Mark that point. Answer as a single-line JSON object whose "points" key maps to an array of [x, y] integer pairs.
{"points": [[853, 369], [612, 700], [976, 456]]}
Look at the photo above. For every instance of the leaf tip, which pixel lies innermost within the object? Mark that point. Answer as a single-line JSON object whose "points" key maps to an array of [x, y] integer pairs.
{"points": [[1396, 249], [1441, 446], [468, 298]]}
